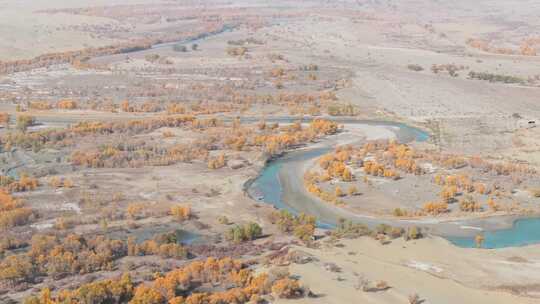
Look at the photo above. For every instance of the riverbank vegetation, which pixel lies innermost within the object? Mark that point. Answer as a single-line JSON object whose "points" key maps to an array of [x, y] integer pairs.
{"points": [[453, 183]]}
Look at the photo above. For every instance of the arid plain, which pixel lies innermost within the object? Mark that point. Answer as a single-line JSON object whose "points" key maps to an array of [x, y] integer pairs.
{"points": [[256, 152]]}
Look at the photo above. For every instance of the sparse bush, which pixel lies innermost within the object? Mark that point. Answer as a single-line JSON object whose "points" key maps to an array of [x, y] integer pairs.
{"points": [[495, 77], [237, 51], [167, 134], [413, 233], [181, 213], [414, 299], [332, 267], [348, 229], [436, 208], [68, 183], [249, 40], [468, 204], [535, 192], [381, 285], [66, 104], [152, 58], [217, 162], [63, 223], [309, 67], [24, 121], [363, 284], [135, 210], [392, 232], [179, 48], [4, 119], [398, 212], [287, 289], [352, 190], [479, 240], [415, 67], [223, 220], [341, 110]]}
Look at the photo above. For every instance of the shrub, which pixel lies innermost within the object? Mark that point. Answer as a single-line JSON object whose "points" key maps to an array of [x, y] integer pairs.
{"points": [[237, 51], [66, 104], [247, 232], [304, 232], [535, 192], [399, 212], [13, 211], [4, 119], [393, 232], [348, 229], [413, 233], [436, 208], [152, 57], [217, 162], [414, 299], [167, 134], [338, 192], [25, 121], [381, 285], [495, 77], [302, 226], [352, 190], [415, 67], [309, 67], [179, 48], [479, 240], [287, 289], [223, 220], [469, 204], [363, 284], [181, 213], [68, 183]]}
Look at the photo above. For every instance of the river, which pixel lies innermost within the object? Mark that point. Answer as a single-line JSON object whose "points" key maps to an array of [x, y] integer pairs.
{"points": [[281, 184]]}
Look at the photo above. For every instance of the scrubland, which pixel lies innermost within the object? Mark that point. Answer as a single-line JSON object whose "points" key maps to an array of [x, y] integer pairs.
{"points": [[131, 130]]}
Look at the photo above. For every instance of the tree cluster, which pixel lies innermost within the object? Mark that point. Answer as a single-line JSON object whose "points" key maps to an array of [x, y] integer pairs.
{"points": [[13, 212], [301, 226], [242, 233]]}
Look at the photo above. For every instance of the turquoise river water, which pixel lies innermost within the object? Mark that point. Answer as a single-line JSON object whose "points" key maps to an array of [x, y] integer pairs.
{"points": [[267, 187]]}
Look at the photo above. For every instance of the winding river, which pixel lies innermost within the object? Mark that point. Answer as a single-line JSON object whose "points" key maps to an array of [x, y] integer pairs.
{"points": [[281, 184]]}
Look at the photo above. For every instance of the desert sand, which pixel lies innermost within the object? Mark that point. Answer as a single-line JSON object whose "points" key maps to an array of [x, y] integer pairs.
{"points": [[436, 270]]}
